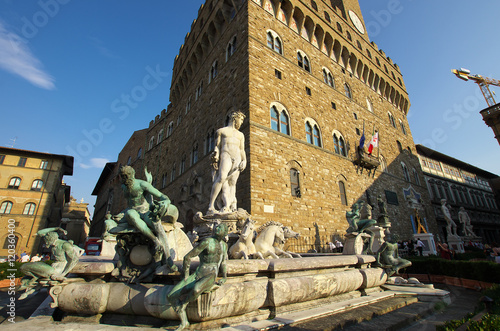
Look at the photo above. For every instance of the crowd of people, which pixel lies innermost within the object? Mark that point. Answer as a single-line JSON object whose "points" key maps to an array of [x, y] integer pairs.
{"points": [[25, 257], [411, 247], [336, 247]]}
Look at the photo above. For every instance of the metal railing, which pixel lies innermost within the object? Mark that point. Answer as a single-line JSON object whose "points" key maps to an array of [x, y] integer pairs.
{"points": [[314, 244]]}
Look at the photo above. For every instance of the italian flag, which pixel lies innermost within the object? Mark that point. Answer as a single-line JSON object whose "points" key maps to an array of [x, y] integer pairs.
{"points": [[373, 142]]}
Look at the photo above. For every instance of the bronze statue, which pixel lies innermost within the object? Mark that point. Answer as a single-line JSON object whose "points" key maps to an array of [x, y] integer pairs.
{"points": [[212, 252], [388, 257], [66, 256], [356, 224], [143, 215], [359, 226]]}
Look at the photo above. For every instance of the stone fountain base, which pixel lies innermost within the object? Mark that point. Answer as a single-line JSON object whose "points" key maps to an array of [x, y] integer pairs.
{"points": [[255, 289]]}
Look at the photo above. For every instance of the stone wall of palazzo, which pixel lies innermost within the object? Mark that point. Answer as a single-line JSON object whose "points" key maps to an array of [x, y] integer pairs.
{"points": [[254, 77], [304, 96]]}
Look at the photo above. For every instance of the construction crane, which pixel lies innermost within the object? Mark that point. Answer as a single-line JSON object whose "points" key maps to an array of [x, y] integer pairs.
{"points": [[483, 82]]}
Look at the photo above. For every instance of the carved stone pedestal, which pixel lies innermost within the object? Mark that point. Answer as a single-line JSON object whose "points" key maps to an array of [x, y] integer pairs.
{"points": [[456, 244], [474, 239], [429, 244], [108, 247], [204, 224], [354, 243], [378, 237]]}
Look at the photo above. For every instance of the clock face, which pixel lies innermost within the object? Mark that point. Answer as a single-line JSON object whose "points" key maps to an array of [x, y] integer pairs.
{"points": [[357, 22]]}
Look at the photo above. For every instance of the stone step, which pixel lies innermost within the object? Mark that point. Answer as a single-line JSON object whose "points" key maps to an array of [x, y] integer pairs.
{"points": [[335, 315]]}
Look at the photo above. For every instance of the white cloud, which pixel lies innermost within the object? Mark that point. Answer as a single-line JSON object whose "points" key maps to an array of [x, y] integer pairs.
{"points": [[16, 58], [95, 163]]}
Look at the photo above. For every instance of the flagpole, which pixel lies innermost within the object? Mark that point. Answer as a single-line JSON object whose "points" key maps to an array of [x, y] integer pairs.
{"points": [[378, 156]]}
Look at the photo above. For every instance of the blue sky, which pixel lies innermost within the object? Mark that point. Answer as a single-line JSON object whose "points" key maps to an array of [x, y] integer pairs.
{"points": [[78, 77]]}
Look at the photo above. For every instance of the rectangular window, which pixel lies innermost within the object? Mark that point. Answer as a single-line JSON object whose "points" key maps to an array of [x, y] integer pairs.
{"points": [[355, 116], [44, 164], [277, 73], [358, 132], [2, 158], [334, 106], [308, 90], [22, 162]]}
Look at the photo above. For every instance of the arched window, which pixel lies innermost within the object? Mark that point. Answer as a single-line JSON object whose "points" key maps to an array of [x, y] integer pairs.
{"points": [[343, 196], [151, 143], [6, 207], [369, 105], [188, 105], [164, 180], [183, 165], [139, 153], [348, 36], [391, 120], [336, 147], [328, 78], [314, 5], [29, 209], [37, 185], [274, 119], [274, 42], [339, 144], [342, 147], [270, 40], [213, 71], [403, 129], [415, 175], [307, 66], [303, 61], [313, 134], [199, 91], [160, 136], [231, 47], [347, 90], [170, 129], [277, 45], [406, 174], [339, 27], [309, 133], [194, 154], [210, 142], [327, 17], [172, 174], [284, 125], [279, 119], [295, 182], [14, 183], [400, 147], [129, 162]]}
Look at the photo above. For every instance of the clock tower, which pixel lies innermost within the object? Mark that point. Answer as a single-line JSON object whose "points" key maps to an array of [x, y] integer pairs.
{"points": [[351, 12]]}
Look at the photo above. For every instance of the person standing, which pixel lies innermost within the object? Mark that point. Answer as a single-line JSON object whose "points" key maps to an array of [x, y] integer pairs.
{"points": [[420, 247]]}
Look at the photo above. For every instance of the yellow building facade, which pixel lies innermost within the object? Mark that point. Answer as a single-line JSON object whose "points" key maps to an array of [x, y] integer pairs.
{"points": [[32, 197]]}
